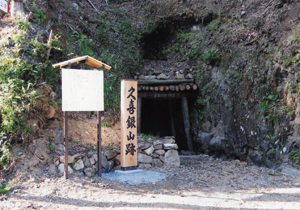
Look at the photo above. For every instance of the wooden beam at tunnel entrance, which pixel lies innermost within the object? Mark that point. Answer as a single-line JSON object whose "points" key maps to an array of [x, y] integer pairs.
{"points": [[186, 121]]}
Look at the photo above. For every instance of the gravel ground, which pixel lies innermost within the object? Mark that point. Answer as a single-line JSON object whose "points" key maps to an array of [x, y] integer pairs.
{"points": [[199, 183]]}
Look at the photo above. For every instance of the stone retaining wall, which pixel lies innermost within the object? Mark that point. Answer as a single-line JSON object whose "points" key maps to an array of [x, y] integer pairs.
{"points": [[150, 154]]}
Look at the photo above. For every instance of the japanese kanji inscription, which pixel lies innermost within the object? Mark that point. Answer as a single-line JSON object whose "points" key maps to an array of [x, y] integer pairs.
{"points": [[128, 124]]}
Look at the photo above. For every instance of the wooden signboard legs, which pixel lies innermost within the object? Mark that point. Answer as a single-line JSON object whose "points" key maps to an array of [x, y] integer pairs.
{"points": [[129, 100], [65, 133], [99, 141]]}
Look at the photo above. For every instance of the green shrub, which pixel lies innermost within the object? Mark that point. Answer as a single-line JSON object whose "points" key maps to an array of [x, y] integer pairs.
{"points": [[295, 156], [212, 55]]}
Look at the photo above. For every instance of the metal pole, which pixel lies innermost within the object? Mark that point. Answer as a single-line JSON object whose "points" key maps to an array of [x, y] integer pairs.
{"points": [[65, 131], [99, 141]]}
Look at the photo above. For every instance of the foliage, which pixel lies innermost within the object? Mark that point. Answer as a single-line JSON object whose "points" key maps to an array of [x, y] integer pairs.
{"points": [[196, 52], [4, 189], [4, 150], [214, 25], [212, 55], [110, 147], [268, 107], [154, 138], [19, 73], [124, 57], [51, 147], [40, 16], [106, 124], [295, 156], [103, 27], [81, 43]]}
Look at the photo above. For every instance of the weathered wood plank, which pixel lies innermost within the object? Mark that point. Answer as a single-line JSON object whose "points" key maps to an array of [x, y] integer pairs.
{"points": [[186, 121]]}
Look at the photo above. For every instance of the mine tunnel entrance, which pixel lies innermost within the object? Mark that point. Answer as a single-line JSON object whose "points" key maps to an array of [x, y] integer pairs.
{"points": [[163, 117], [164, 109]]}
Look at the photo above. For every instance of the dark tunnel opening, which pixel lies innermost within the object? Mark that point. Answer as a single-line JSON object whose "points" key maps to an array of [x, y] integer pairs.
{"points": [[153, 42], [163, 117]]}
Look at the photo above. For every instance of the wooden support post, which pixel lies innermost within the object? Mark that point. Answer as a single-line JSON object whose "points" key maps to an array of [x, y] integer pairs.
{"points": [[139, 113], [65, 132], [172, 118], [186, 121], [99, 153]]}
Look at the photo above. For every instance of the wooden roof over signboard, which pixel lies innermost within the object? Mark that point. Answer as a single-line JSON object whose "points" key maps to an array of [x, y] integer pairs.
{"points": [[83, 59]]}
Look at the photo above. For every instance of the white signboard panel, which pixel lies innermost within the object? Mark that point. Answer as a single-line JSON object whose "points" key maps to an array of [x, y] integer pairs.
{"points": [[82, 90], [4, 6]]}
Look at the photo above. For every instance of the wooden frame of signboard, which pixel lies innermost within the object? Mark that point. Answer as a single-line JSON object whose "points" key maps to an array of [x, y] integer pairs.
{"points": [[96, 64]]}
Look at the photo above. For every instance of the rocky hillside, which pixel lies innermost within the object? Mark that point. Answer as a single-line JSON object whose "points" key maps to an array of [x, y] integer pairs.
{"points": [[244, 56]]}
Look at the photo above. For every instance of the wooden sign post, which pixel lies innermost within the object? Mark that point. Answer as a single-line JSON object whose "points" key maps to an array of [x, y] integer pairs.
{"points": [[82, 90], [128, 124]]}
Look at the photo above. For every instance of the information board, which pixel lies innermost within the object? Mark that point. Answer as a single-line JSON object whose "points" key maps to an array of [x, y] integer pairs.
{"points": [[4, 6], [82, 90], [128, 124]]}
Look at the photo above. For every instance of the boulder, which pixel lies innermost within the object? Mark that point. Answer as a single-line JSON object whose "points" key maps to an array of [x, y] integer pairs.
{"points": [[144, 146], [189, 76], [157, 162], [179, 76], [172, 158], [218, 143], [142, 158], [52, 169], [104, 163], [87, 162], [170, 146], [145, 165], [110, 165], [168, 140], [151, 77], [48, 112], [149, 151], [71, 159], [61, 169], [110, 154], [89, 171], [154, 155], [95, 156], [158, 145], [117, 161], [92, 160], [160, 152], [78, 165], [204, 140], [162, 76], [59, 148]]}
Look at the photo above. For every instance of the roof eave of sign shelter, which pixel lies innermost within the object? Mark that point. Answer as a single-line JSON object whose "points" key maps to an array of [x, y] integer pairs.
{"points": [[83, 59]]}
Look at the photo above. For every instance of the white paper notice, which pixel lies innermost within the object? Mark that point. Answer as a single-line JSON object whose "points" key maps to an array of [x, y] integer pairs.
{"points": [[82, 90], [4, 6]]}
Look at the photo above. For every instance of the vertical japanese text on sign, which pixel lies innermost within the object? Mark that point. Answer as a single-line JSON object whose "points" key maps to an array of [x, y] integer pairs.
{"points": [[129, 128]]}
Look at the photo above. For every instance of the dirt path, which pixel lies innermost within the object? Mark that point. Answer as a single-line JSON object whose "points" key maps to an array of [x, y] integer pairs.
{"points": [[199, 184]]}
